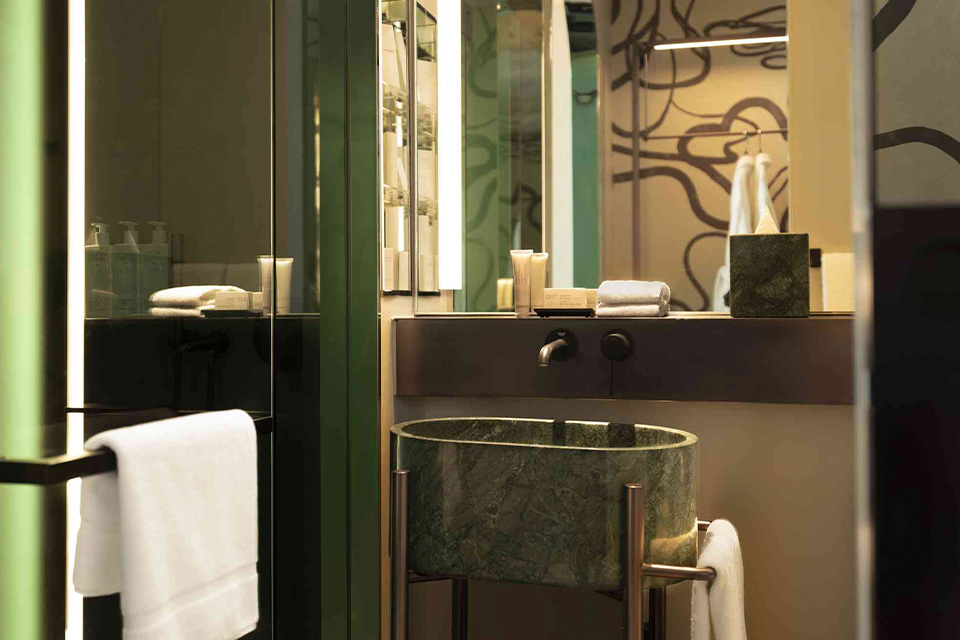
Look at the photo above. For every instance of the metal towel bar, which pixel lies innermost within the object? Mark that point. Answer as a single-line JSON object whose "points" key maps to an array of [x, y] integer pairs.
{"points": [[44, 471]]}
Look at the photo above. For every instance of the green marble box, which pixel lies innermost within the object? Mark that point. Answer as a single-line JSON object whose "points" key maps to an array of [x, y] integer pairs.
{"points": [[770, 275]]}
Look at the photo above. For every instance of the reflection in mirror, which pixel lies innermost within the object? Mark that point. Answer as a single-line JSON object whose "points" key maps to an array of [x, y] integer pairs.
{"points": [[178, 126], [394, 166], [709, 124], [611, 135], [427, 194], [502, 51]]}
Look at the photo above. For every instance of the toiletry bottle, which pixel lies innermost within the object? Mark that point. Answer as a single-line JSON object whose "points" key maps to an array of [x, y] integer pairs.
{"points": [[126, 272], [98, 272], [154, 264]]}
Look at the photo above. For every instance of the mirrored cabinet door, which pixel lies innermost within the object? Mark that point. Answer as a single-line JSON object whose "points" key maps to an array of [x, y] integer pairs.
{"points": [[427, 193], [395, 153]]}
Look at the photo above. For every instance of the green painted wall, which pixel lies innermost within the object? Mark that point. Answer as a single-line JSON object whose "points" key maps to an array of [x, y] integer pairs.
{"points": [[349, 342], [21, 247], [586, 186]]}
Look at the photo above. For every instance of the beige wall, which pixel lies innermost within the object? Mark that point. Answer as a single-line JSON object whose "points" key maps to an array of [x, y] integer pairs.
{"points": [[783, 474], [820, 133], [393, 307]]}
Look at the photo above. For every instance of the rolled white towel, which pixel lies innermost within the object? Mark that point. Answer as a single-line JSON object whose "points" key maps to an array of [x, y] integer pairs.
{"points": [[633, 310], [633, 292], [179, 312], [191, 297]]}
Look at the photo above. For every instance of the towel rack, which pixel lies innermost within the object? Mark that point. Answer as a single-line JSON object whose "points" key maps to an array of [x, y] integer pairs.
{"points": [[56, 469]]}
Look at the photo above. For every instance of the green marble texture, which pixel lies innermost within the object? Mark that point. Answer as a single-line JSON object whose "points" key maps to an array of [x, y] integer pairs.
{"points": [[541, 502], [770, 275]]}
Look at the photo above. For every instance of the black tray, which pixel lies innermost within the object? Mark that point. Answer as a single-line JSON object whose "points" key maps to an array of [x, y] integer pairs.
{"points": [[579, 313]]}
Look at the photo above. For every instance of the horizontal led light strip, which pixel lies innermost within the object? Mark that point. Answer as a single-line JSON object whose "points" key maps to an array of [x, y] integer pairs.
{"points": [[729, 42]]}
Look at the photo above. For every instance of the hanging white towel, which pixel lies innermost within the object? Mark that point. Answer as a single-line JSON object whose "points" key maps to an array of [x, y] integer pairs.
{"points": [[632, 292], [633, 310], [741, 222], [764, 200], [190, 297], [174, 529], [720, 604]]}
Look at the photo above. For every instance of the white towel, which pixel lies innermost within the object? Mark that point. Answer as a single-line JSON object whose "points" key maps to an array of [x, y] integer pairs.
{"points": [[180, 312], [741, 222], [190, 297], [632, 292], [174, 529], [720, 604], [764, 200], [632, 310]]}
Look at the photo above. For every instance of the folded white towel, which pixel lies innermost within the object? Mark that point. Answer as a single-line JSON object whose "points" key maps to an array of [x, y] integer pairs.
{"points": [[632, 292], [633, 310], [189, 297], [174, 529], [721, 603], [180, 312]]}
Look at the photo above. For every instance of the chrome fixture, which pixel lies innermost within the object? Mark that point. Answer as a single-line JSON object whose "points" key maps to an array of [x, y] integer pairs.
{"points": [[547, 351], [559, 345]]}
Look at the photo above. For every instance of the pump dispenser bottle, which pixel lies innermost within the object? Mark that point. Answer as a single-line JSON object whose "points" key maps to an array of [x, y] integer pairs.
{"points": [[99, 296], [126, 272], [154, 264]]}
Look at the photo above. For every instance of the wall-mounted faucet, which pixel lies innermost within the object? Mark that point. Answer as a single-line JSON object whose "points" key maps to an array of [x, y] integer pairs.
{"points": [[559, 345]]}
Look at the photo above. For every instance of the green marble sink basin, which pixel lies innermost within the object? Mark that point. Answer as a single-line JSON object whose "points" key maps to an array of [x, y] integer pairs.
{"points": [[541, 502]]}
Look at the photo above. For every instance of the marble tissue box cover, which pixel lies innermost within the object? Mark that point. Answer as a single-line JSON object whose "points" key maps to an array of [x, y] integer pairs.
{"points": [[770, 275], [540, 501]]}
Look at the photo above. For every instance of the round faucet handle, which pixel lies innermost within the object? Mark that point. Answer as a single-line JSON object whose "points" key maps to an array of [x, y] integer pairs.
{"points": [[616, 346]]}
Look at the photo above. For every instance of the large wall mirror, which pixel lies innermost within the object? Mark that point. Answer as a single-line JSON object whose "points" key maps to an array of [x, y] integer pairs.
{"points": [[625, 138]]}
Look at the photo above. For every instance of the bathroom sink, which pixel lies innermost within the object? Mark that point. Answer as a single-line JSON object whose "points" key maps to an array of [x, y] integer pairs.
{"points": [[540, 501]]}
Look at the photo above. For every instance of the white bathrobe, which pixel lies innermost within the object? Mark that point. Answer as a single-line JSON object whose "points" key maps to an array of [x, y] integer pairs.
{"points": [[741, 221]]}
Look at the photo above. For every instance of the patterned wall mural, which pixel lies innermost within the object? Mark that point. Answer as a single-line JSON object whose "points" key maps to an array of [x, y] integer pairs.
{"points": [[917, 129], [685, 184], [502, 144]]}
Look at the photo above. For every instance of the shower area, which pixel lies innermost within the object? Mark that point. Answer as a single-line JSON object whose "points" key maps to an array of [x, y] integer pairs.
{"points": [[174, 143]]}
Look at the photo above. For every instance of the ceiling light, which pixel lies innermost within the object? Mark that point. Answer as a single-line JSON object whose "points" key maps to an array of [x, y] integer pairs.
{"points": [[712, 42]]}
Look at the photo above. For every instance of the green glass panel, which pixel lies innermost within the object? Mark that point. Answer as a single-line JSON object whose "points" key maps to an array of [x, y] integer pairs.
{"points": [[20, 312]]}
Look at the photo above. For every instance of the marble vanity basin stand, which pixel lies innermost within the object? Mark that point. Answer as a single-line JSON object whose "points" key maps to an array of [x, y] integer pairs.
{"points": [[542, 502]]}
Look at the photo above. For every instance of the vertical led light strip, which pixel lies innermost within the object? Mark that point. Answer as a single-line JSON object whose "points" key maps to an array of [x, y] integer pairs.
{"points": [[21, 215], [449, 145], [76, 226]]}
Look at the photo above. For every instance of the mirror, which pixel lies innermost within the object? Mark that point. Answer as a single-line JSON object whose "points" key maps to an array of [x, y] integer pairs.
{"points": [[693, 114], [586, 137], [178, 155]]}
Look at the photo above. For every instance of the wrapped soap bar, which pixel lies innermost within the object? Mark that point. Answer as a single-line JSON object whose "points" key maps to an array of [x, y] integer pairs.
{"points": [[565, 299]]}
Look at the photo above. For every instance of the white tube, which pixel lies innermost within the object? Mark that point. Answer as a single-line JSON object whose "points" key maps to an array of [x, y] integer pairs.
{"points": [[521, 281], [538, 279], [284, 268], [391, 151], [266, 282], [284, 273]]}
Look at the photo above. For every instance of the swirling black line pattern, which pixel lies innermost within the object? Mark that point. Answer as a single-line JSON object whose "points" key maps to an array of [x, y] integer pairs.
{"points": [[686, 182], [887, 20], [689, 268], [890, 16], [920, 135], [649, 27]]}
